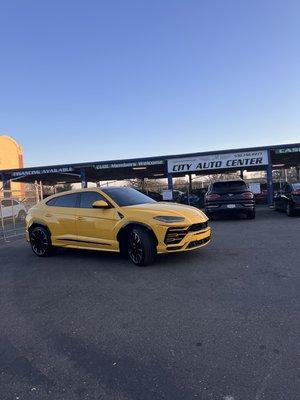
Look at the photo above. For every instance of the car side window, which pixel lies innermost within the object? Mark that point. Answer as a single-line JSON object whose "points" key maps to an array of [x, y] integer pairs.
{"points": [[68, 200], [88, 198], [6, 203], [51, 202]]}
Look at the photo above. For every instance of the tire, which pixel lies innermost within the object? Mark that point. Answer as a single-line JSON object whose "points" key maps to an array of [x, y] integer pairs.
{"points": [[251, 215], [289, 210], [209, 215], [21, 215], [40, 241], [141, 248]]}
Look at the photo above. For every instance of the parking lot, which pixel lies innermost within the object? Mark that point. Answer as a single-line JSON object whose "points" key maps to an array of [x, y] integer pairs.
{"points": [[218, 323]]}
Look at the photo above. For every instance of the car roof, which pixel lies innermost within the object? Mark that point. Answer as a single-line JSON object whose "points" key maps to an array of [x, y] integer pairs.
{"points": [[73, 191], [92, 189]]}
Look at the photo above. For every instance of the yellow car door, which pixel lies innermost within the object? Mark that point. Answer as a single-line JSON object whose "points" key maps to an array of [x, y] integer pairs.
{"points": [[60, 217], [96, 226]]}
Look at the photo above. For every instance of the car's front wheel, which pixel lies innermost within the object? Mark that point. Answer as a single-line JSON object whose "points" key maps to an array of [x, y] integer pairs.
{"points": [[289, 210], [40, 241], [251, 214], [22, 215], [141, 247]]}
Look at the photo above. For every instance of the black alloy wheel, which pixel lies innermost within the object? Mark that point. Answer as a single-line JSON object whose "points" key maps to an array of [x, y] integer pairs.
{"points": [[40, 241], [251, 215], [22, 215], [289, 210], [140, 246]]}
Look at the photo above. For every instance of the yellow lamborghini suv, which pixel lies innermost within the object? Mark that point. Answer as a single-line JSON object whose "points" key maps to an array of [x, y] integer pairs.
{"points": [[115, 219]]}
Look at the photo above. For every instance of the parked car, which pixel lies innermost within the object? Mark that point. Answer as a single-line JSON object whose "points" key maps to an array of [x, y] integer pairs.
{"points": [[10, 208], [115, 219], [232, 197], [288, 199], [262, 197], [177, 194], [194, 198], [189, 198]]}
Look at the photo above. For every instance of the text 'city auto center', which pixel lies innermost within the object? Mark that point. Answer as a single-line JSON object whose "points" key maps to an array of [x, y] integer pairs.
{"points": [[219, 161]]}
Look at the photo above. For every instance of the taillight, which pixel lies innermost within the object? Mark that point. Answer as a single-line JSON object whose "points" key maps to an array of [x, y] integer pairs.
{"points": [[296, 192], [248, 195], [212, 196]]}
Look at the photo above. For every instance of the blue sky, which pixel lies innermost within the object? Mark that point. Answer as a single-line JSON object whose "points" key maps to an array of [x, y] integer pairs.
{"points": [[95, 80]]}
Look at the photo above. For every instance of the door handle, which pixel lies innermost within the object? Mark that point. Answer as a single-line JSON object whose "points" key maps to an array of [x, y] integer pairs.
{"points": [[48, 215]]}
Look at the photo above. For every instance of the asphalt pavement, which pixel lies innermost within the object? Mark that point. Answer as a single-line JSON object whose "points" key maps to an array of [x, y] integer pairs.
{"points": [[219, 323]]}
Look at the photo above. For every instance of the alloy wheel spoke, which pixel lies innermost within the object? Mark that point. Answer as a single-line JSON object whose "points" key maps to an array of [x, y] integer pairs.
{"points": [[135, 248], [39, 241]]}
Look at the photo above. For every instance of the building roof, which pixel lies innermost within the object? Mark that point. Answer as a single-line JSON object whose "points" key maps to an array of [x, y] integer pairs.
{"points": [[285, 155]]}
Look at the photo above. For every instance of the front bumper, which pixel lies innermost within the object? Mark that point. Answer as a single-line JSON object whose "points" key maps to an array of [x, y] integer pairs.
{"points": [[229, 207], [189, 241], [296, 206]]}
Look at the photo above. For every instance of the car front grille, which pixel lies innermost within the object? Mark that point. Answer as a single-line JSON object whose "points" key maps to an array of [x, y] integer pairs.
{"points": [[198, 227], [175, 235], [196, 243]]}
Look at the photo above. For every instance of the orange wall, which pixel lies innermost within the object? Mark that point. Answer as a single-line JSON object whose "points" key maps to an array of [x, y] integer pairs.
{"points": [[11, 156]]}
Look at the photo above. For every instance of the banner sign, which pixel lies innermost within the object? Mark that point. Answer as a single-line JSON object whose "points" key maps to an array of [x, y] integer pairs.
{"points": [[43, 171], [255, 187], [241, 160], [288, 150], [131, 164], [167, 195]]}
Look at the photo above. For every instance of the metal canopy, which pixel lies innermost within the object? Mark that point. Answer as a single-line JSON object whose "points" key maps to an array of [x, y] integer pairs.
{"points": [[95, 171], [282, 156]]}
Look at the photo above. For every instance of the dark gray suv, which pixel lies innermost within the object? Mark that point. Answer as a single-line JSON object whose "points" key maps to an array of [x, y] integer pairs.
{"points": [[229, 197]]}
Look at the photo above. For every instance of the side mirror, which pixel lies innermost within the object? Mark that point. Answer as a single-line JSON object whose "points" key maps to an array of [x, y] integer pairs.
{"points": [[100, 204]]}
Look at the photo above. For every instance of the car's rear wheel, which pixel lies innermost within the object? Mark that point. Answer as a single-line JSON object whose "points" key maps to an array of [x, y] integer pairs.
{"points": [[251, 214], [289, 210], [40, 241], [140, 247], [21, 215]]}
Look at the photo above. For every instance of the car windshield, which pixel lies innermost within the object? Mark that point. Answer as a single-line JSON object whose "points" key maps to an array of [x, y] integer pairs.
{"points": [[127, 196], [232, 186]]}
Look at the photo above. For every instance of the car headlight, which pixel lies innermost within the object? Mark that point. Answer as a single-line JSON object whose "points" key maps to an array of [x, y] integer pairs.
{"points": [[168, 219]]}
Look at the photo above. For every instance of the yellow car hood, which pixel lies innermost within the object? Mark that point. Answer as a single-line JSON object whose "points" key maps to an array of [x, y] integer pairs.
{"points": [[191, 214]]}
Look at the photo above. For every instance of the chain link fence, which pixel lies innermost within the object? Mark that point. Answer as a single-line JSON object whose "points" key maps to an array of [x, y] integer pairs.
{"points": [[14, 205]]}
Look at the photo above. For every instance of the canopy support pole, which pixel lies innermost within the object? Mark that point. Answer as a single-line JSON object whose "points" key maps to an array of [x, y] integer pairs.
{"points": [[83, 178], [269, 180]]}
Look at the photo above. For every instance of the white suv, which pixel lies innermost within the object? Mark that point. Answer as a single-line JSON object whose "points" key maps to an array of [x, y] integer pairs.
{"points": [[12, 209]]}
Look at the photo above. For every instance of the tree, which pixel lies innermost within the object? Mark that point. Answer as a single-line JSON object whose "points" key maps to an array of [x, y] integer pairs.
{"points": [[64, 187]]}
